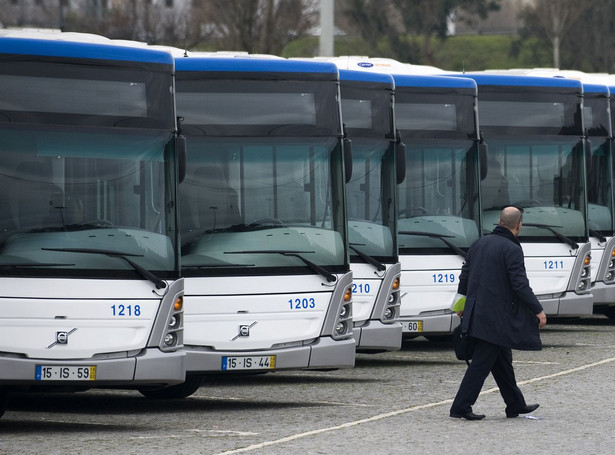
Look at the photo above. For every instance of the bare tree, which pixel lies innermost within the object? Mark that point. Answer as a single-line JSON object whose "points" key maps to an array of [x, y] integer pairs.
{"points": [[556, 17], [409, 26], [258, 26]]}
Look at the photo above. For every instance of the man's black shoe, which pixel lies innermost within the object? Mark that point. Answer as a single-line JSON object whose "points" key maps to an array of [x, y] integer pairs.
{"points": [[524, 410], [467, 415]]}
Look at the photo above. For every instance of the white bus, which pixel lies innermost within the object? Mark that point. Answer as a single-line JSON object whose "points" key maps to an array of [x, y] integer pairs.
{"points": [[439, 203], [89, 264], [601, 209], [263, 217], [538, 156], [378, 165], [439, 215]]}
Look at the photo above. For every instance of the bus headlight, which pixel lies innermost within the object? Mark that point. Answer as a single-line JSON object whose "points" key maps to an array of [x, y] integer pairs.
{"points": [[174, 321], [169, 339], [340, 328]]}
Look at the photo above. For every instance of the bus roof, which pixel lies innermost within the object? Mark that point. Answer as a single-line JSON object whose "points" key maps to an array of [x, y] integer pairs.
{"points": [[254, 65], [404, 80], [364, 76], [89, 50], [522, 80], [596, 89]]}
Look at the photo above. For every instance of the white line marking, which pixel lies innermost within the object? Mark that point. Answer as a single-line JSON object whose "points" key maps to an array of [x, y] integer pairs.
{"points": [[404, 411]]}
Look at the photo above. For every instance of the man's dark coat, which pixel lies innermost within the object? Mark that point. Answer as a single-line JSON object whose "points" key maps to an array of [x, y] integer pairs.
{"points": [[500, 307]]}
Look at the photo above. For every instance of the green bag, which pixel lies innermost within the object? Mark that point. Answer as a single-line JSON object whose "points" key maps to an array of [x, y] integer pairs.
{"points": [[459, 303]]}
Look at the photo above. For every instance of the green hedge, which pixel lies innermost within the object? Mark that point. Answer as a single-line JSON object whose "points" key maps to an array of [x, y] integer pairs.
{"points": [[472, 52]]}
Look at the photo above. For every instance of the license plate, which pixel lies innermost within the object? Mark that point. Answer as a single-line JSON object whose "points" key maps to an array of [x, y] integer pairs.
{"points": [[65, 373], [412, 326], [265, 362]]}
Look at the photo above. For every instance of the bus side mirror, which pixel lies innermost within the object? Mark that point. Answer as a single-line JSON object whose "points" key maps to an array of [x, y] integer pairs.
{"points": [[348, 158], [482, 159], [400, 161], [181, 158]]}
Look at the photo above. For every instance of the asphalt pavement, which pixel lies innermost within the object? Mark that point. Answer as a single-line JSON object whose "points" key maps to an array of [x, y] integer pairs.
{"points": [[390, 403]]}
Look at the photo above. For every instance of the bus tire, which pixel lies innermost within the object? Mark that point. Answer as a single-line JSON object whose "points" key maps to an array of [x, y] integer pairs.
{"points": [[183, 390], [4, 398], [439, 338], [609, 312]]}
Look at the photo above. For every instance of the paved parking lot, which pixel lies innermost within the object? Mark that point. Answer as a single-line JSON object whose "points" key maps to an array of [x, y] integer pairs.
{"points": [[391, 403]]}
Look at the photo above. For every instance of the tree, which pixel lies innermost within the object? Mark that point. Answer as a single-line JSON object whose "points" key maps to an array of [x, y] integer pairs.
{"points": [[592, 48], [258, 26], [402, 22], [556, 17]]}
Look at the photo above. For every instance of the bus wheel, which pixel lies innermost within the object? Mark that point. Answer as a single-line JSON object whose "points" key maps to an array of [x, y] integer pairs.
{"points": [[609, 312], [439, 338], [4, 398], [183, 390]]}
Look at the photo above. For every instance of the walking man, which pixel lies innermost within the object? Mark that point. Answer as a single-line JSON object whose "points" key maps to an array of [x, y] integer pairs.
{"points": [[501, 313]]}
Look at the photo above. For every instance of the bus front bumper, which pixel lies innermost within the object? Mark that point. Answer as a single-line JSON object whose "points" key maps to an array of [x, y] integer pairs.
{"points": [[151, 367], [325, 353], [429, 324], [568, 304], [374, 336], [604, 294]]}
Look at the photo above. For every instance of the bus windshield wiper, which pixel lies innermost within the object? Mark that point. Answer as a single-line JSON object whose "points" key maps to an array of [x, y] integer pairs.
{"points": [[15, 265], [367, 258], [560, 236], [601, 238], [315, 267], [244, 228], [442, 237], [208, 263], [216, 266], [69, 228], [160, 284]]}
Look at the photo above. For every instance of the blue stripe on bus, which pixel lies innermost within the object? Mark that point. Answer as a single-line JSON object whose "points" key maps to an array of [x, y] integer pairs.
{"points": [[350, 75], [71, 49], [253, 64], [445, 81], [522, 81], [595, 88]]}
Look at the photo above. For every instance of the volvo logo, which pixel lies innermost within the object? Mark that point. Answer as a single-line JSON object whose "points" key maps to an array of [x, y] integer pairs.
{"points": [[244, 331], [61, 338]]}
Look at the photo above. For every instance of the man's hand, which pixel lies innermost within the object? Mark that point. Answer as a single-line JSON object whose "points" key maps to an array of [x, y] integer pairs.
{"points": [[542, 319]]}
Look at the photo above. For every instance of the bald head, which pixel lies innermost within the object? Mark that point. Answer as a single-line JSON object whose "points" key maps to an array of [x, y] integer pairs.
{"points": [[510, 218]]}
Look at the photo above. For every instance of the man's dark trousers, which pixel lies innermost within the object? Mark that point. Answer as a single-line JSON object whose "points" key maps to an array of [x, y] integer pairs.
{"points": [[488, 358]]}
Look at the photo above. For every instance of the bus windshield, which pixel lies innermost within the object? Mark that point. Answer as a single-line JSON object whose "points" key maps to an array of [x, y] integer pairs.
{"points": [[370, 198], [599, 174], [438, 199], [544, 175], [78, 193], [254, 203]]}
